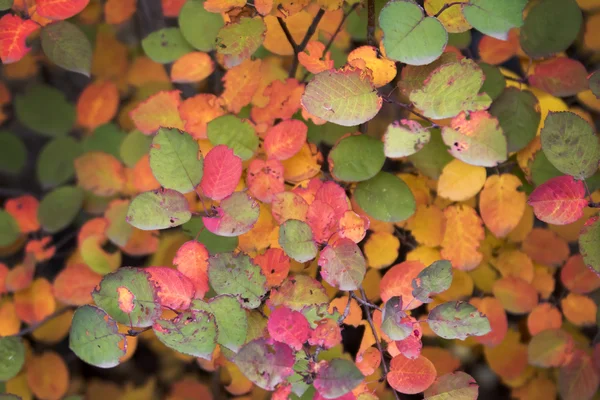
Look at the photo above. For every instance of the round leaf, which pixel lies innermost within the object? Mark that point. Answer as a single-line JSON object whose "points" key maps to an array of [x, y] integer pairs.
{"points": [[343, 265], [230, 317], [344, 97], [570, 144], [67, 46], [55, 162], [95, 337], [589, 244], [237, 275], [409, 36], [296, 239], [559, 201], [385, 197], [495, 18], [191, 332], [264, 363], [13, 153], [404, 138], [129, 296], [237, 215], [241, 39], [235, 133], [214, 244], [12, 356], [550, 27], [175, 160], [457, 385], [9, 229], [550, 348], [337, 377], [166, 45], [133, 147], [432, 158], [45, 110], [198, 26], [59, 208], [158, 209], [434, 279], [457, 320], [356, 158]]}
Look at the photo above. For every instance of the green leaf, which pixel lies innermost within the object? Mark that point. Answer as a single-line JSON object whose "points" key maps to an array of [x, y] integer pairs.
{"points": [[495, 18], [409, 36], [386, 197], [404, 138], [175, 160], [549, 348], [542, 169], [129, 296], [266, 364], [457, 320], [494, 82], [296, 239], [106, 138], [477, 139], [9, 229], [432, 158], [59, 208], [589, 244], [6, 4], [55, 162], [133, 147], [414, 77], [450, 89], [237, 275], [95, 337], [343, 265], [337, 377], [298, 292], [460, 40], [393, 323], [344, 97], [230, 317], [166, 45], [214, 244], [594, 82], [45, 110], [518, 112], [327, 133], [241, 39], [67, 46], [356, 158], [235, 216], [453, 386], [550, 27], [198, 26], [12, 356], [158, 209], [234, 132], [570, 144], [434, 279], [191, 332], [13, 153]]}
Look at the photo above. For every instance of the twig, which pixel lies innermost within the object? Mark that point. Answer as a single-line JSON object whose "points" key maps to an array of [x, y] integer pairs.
{"points": [[384, 363], [134, 333], [300, 47], [364, 303], [339, 28], [409, 108], [371, 22], [36, 325], [346, 311], [447, 6]]}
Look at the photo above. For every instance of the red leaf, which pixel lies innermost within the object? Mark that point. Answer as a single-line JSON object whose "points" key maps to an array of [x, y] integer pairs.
{"points": [[192, 261], [289, 327], [275, 265], [334, 195], [176, 291], [559, 201], [13, 34], [222, 172], [264, 179], [60, 9], [560, 77], [322, 220], [285, 139]]}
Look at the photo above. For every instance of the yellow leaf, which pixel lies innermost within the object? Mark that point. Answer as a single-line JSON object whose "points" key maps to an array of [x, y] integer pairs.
{"points": [[460, 181], [501, 204]]}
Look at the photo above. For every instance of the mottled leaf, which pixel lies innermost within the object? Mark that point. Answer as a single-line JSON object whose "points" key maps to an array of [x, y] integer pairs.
{"points": [[296, 239], [236, 215], [191, 332], [343, 265], [457, 320], [265, 363], [158, 209], [434, 279], [337, 377]]}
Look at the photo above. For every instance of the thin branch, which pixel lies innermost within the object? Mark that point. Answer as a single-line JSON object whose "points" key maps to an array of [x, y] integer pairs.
{"points": [[134, 333], [300, 47], [346, 311], [288, 34], [339, 28], [409, 108], [364, 303], [371, 22], [311, 30], [36, 325], [447, 6], [384, 363]]}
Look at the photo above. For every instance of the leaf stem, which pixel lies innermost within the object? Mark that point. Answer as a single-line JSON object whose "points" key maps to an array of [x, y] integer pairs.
{"points": [[447, 6], [364, 303], [371, 22], [36, 325], [384, 363]]}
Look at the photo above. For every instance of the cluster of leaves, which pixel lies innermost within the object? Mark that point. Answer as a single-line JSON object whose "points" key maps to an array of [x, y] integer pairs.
{"points": [[283, 172]]}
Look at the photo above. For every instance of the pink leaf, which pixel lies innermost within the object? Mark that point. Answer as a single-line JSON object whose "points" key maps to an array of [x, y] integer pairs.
{"points": [[222, 172], [559, 201], [290, 327]]}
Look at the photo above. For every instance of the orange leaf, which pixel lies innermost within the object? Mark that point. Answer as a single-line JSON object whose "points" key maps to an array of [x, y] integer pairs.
{"points": [[546, 247], [13, 35], [3, 273], [100, 173], [48, 376], [544, 316], [24, 210], [119, 11], [9, 321], [495, 51], [192, 67], [311, 58], [411, 376], [60, 9], [192, 261], [509, 358], [219, 6], [198, 111], [501, 205], [36, 302], [493, 310], [284, 101], [265, 179], [175, 291], [40, 249], [285, 139], [20, 276], [275, 265], [579, 310], [380, 69], [74, 284], [240, 84], [577, 277], [462, 238], [97, 104], [516, 295], [159, 110], [397, 281]]}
